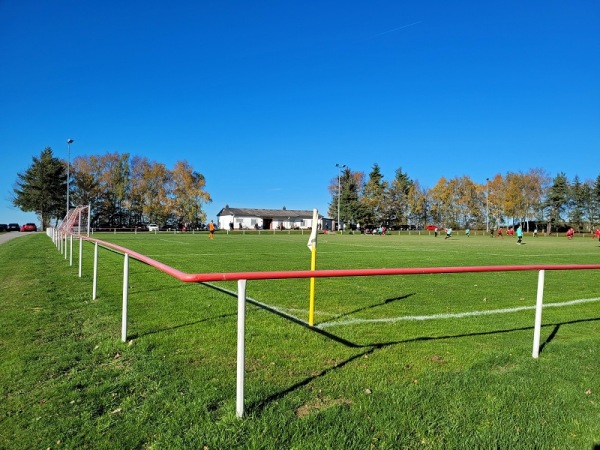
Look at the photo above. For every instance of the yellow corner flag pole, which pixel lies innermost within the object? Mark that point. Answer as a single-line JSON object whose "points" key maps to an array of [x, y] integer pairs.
{"points": [[312, 245]]}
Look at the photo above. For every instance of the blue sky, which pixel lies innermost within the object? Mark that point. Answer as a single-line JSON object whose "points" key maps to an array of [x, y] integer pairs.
{"points": [[264, 98]]}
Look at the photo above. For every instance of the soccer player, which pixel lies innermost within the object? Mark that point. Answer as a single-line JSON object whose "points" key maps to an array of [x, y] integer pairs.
{"points": [[211, 230]]}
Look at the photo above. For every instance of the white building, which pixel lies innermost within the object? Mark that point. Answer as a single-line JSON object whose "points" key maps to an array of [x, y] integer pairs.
{"points": [[265, 219]]}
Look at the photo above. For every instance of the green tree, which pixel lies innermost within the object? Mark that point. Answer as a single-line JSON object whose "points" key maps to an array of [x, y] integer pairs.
{"points": [[557, 200], [353, 211], [373, 197], [42, 188], [396, 207], [577, 204], [594, 215], [350, 186]]}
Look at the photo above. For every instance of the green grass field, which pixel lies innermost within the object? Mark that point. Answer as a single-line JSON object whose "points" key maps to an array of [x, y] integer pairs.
{"points": [[417, 361]]}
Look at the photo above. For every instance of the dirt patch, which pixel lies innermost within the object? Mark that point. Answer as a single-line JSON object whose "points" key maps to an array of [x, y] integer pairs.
{"points": [[321, 404]]}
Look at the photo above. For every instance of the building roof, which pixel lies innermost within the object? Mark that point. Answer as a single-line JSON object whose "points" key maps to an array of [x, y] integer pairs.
{"points": [[266, 213]]}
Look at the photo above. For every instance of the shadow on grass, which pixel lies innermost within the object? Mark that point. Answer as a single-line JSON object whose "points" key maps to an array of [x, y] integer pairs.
{"points": [[376, 305], [257, 407], [175, 327], [550, 337], [370, 348]]}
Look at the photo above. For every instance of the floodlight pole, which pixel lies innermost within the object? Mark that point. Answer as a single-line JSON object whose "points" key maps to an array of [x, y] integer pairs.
{"points": [[487, 205], [69, 142], [340, 167]]}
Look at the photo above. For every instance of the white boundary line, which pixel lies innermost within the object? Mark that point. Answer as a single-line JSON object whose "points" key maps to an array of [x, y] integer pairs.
{"points": [[323, 325], [452, 316]]}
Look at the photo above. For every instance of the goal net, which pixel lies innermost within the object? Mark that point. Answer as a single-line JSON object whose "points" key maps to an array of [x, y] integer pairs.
{"points": [[77, 221]]}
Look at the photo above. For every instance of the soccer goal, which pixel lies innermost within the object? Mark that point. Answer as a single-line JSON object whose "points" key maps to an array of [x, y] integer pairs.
{"points": [[77, 221]]}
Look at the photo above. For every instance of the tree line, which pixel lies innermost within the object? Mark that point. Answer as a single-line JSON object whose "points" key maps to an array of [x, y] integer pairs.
{"points": [[503, 200], [127, 191], [122, 190]]}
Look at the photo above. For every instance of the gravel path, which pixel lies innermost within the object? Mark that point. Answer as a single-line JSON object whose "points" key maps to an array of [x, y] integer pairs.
{"points": [[13, 234]]}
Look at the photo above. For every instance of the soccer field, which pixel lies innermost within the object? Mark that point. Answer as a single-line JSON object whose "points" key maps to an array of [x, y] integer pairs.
{"points": [[415, 361], [387, 300]]}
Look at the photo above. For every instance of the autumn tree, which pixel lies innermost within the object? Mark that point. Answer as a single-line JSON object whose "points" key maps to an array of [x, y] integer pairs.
{"points": [[188, 193], [86, 174], [495, 200], [467, 201], [135, 200], [113, 185], [514, 201], [157, 205], [443, 202], [418, 204], [535, 183]]}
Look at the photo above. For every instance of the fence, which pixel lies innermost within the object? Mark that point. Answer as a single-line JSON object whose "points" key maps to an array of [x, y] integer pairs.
{"points": [[61, 239]]}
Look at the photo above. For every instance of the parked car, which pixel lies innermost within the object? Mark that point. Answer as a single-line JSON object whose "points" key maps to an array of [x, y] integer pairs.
{"points": [[3, 227], [14, 227], [152, 227], [29, 227]]}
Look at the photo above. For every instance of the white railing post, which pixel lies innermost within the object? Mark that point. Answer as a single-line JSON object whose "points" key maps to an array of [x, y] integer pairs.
{"points": [[80, 254], [538, 315], [239, 402], [70, 250], [125, 297], [65, 245], [95, 280]]}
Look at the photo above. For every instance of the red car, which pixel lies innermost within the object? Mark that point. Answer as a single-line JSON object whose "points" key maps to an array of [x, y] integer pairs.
{"points": [[28, 227]]}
